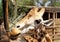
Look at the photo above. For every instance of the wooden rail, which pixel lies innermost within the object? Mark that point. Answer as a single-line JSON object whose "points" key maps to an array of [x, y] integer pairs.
{"points": [[48, 9]]}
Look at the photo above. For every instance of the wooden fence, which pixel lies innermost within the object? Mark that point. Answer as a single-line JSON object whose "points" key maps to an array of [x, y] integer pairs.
{"points": [[54, 30]]}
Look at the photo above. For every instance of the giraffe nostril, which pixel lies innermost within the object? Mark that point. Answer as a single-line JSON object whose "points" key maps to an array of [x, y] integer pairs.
{"points": [[18, 26]]}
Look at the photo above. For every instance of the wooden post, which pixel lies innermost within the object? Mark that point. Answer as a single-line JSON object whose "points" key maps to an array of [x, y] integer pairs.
{"points": [[49, 15], [56, 15], [5, 10], [54, 18], [53, 24]]}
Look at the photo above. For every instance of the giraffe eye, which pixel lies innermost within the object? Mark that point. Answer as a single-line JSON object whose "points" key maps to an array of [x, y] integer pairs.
{"points": [[38, 21], [18, 26]]}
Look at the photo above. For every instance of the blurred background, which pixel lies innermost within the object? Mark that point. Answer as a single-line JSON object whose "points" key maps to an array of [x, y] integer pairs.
{"points": [[15, 5]]}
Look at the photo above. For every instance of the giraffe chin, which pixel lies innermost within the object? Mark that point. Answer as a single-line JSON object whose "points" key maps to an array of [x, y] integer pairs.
{"points": [[14, 33], [14, 37]]}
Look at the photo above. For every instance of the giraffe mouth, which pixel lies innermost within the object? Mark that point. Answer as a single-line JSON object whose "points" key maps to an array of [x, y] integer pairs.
{"points": [[14, 37]]}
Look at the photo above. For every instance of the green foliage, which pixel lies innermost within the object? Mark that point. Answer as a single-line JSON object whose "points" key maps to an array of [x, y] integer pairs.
{"points": [[22, 9], [1, 10], [12, 9], [25, 2], [57, 4]]}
